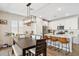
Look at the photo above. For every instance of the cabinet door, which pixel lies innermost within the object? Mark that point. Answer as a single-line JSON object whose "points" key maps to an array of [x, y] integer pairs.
{"points": [[45, 29], [76, 40]]}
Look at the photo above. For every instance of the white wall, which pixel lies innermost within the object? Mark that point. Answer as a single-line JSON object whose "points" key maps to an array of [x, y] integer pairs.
{"points": [[38, 26], [7, 28], [44, 23], [69, 23]]}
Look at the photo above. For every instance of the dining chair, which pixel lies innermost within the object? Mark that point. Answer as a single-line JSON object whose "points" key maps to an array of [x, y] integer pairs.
{"points": [[40, 49], [17, 51]]}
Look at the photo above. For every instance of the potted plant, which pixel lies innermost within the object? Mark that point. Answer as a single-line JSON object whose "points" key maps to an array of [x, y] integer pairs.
{"points": [[10, 38], [10, 34]]}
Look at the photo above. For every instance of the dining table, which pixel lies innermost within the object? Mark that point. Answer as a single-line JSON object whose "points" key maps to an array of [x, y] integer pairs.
{"points": [[25, 44]]}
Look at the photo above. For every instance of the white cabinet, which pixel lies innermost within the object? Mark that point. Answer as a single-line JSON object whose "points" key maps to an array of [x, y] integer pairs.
{"points": [[68, 23], [37, 26], [76, 40]]}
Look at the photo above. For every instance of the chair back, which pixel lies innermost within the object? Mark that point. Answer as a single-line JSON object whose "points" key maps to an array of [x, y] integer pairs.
{"points": [[40, 47]]}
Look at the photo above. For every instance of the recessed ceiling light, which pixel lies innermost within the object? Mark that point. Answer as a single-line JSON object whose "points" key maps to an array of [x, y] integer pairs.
{"points": [[39, 16], [59, 9]]}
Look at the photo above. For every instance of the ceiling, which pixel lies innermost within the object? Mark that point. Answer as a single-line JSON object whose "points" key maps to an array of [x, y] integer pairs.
{"points": [[49, 11]]}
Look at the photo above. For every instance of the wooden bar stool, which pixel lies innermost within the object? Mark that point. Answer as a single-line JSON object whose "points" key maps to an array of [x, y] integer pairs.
{"points": [[54, 40], [64, 41], [47, 39]]}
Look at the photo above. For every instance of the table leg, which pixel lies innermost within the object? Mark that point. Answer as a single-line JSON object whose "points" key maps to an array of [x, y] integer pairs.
{"points": [[45, 51], [24, 53]]}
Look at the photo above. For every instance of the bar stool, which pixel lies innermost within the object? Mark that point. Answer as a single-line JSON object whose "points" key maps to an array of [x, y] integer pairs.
{"points": [[54, 40], [64, 41], [47, 39]]}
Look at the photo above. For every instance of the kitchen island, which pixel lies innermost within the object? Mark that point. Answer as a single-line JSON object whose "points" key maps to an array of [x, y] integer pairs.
{"points": [[69, 37]]}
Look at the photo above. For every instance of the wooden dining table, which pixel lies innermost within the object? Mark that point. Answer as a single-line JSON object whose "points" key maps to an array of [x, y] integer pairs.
{"points": [[25, 44]]}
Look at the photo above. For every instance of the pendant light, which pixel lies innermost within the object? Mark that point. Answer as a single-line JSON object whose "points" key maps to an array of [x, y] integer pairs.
{"points": [[30, 18]]}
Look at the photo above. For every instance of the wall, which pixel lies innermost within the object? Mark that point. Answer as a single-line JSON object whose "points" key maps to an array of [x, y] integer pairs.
{"points": [[7, 28]]}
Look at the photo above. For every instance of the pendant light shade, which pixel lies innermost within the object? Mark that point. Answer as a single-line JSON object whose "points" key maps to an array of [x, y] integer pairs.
{"points": [[30, 18]]}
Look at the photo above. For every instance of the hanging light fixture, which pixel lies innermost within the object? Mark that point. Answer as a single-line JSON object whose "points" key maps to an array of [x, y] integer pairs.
{"points": [[30, 18]]}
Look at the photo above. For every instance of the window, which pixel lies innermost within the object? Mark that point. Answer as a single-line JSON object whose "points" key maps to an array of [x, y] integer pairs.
{"points": [[14, 26], [17, 27]]}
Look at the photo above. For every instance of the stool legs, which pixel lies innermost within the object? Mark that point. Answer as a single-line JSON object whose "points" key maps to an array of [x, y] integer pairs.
{"points": [[66, 47], [55, 44]]}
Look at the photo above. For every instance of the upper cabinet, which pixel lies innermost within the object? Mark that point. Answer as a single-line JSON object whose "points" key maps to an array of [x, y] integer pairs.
{"points": [[68, 23]]}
